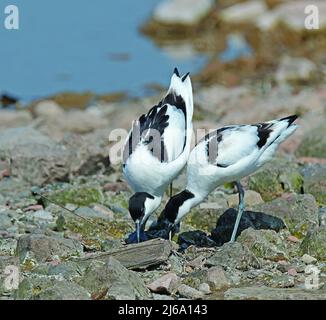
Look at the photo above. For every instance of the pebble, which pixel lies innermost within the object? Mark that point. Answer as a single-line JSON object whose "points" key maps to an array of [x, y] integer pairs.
{"points": [[189, 292], [204, 287], [308, 259], [164, 284]]}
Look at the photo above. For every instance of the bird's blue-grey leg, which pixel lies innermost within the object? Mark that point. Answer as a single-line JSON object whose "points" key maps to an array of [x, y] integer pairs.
{"points": [[240, 210], [171, 190], [138, 226]]}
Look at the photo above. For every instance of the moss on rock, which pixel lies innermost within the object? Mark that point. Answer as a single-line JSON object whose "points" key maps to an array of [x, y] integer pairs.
{"points": [[275, 178]]}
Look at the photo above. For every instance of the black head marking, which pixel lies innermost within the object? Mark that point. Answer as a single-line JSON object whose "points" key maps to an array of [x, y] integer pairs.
{"points": [[137, 204], [172, 207]]}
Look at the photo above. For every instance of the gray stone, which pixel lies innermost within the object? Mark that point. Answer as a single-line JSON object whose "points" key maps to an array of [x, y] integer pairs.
{"points": [[235, 256], [189, 292], [43, 248], [33, 156], [315, 181], [111, 276], [8, 246], [298, 211], [36, 287], [314, 243], [264, 244], [164, 284], [275, 178]]}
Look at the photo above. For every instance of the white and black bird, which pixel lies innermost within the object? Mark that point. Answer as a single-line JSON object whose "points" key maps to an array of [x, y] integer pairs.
{"points": [[227, 155], [157, 149]]}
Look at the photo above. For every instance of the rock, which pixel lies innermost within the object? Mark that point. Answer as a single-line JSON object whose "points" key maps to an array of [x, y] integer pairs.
{"points": [[281, 281], [80, 195], [299, 212], [314, 243], [295, 70], [7, 246], [37, 287], [14, 118], [73, 121], [204, 288], [243, 12], [251, 198], [186, 12], [189, 292], [5, 221], [266, 293], [48, 109], [275, 178], [264, 244], [315, 181], [113, 277], [235, 256], [97, 212], [291, 13], [313, 143], [307, 259], [33, 156], [43, 248], [217, 279], [197, 238], [216, 99], [90, 152], [42, 215], [165, 284], [250, 219]]}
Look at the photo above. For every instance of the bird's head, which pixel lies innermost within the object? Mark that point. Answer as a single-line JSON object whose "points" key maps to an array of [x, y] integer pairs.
{"points": [[141, 206]]}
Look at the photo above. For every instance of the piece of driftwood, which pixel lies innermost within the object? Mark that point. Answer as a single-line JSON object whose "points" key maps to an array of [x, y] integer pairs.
{"points": [[138, 256]]}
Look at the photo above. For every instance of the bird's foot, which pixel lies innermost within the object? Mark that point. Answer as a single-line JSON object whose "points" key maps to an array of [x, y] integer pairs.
{"points": [[133, 237]]}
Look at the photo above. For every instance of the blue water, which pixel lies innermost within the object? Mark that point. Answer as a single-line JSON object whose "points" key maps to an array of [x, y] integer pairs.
{"points": [[78, 45]]}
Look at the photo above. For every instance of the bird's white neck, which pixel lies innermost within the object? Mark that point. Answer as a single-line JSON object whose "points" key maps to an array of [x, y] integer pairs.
{"points": [[188, 204]]}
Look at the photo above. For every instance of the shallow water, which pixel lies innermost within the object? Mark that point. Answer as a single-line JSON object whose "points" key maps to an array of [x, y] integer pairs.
{"points": [[79, 45]]}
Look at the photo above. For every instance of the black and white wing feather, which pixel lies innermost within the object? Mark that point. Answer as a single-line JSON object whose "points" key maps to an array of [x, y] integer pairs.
{"points": [[228, 145], [164, 128]]}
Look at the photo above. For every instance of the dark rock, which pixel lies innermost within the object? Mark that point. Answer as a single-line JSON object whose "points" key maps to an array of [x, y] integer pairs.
{"points": [[195, 238], [250, 219]]}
